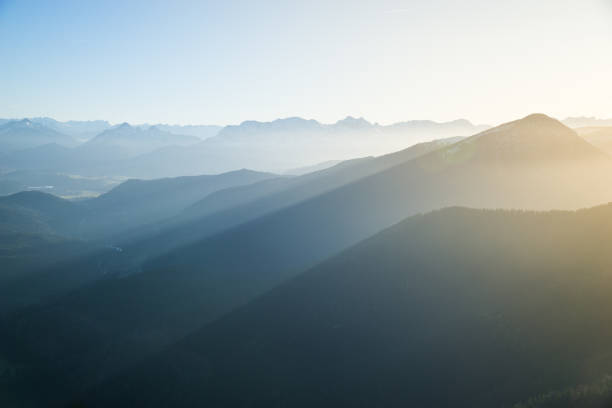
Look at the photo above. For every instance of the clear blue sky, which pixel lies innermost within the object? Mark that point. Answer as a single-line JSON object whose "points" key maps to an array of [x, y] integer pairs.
{"points": [[227, 61]]}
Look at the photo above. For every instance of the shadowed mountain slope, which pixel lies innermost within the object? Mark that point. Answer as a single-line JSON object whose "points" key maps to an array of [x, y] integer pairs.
{"points": [[490, 306]]}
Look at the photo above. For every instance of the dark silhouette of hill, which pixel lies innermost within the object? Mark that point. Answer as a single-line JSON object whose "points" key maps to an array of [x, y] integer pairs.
{"points": [[533, 163], [456, 308]]}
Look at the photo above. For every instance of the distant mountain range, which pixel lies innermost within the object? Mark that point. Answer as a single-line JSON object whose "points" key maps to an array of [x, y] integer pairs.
{"points": [[25, 134], [584, 121], [126, 141], [289, 143], [84, 130], [144, 151]]}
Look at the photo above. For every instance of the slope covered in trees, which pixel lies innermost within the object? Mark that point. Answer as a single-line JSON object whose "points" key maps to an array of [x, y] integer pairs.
{"points": [[457, 308]]}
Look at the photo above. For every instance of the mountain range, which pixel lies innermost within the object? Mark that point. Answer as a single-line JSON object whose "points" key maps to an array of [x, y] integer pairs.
{"points": [[159, 151], [24, 134], [239, 243]]}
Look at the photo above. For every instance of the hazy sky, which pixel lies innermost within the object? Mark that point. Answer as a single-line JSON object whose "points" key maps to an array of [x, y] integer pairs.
{"points": [[226, 61]]}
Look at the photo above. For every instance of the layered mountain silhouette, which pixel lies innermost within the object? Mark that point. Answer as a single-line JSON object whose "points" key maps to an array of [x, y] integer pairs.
{"points": [[144, 151], [38, 230], [533, 163], [492, 307], [227, 208]]}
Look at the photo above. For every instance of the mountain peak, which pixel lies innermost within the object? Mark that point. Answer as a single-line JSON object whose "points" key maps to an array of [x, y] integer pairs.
{"points": [[353, 122], [537, 138], [539, 117]]}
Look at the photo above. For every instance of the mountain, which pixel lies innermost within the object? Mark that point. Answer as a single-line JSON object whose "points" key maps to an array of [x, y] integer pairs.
{"points": [[35, 230], [23, 134], [461, 308], [145, 151], [49, 157], [81, 130], [532, 163], [309, 141], [583, 121], [295, 125], [138, 202], [38, 230], [109, 154], [92, 303], [127, 141], [600, 137], [200, 131], [289, 143], [84, 130], [45, 212], [227, 208]]}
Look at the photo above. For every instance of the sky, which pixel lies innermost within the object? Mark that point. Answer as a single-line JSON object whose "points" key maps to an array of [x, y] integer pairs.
{"points": [[223, 62]]}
